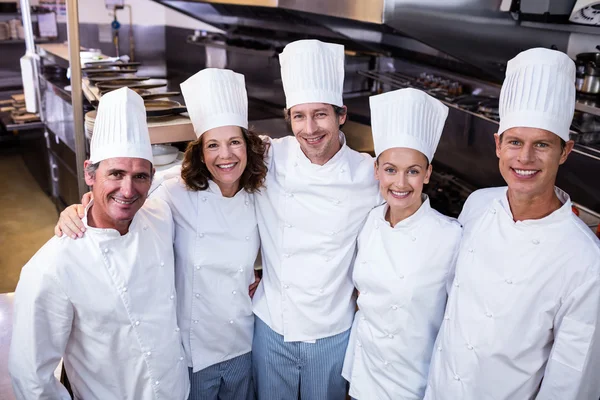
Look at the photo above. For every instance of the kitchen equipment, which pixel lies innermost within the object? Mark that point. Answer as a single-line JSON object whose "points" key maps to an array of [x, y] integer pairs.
{"points": [[4, 30], [163, 154], [89, 119], [547, 10], [586, 12], [105, 87], [111, 63], [587, 78], [156, 96], [161, 108], [90, 54], [585, 138], [117, 81], [9, 7], [13, 25], [108, 72], [28, 78], [591, 79]]}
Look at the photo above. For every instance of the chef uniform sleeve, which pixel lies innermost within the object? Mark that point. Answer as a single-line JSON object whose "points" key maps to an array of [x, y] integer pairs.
{"points": [[42, 320], [572, 369], [452, 266]]}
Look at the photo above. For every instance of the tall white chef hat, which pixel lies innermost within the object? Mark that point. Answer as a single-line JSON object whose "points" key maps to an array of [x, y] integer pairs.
{"points": [[120, 128], [407, 118], [538, 92], [214, 98], [312, 72]]}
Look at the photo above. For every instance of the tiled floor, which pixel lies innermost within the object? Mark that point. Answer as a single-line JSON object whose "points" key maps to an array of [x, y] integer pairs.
{"points": [[27, 218]]}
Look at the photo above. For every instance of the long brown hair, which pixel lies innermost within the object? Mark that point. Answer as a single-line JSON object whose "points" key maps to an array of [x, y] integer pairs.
{"points": [[195, 174]]}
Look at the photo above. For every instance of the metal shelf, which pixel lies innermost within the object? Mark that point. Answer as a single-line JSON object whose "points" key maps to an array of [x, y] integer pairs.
{"points": [[575, 28], [235, 49], [22, 41], [25, 126], [587, 109], [399, 83]]}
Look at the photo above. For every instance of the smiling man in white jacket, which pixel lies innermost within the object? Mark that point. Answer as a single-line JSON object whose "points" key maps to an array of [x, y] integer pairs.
{"points": [[318, 194], [522, 319], [105, 303]]}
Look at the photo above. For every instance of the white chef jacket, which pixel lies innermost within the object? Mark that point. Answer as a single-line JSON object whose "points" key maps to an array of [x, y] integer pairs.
{"points": [[106, 304], [309, 217], [216, 243], [522, 317], [402, 285]]}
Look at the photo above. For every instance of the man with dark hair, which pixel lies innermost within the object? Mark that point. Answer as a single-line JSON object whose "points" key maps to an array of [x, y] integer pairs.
{"points": [[318, 193]]}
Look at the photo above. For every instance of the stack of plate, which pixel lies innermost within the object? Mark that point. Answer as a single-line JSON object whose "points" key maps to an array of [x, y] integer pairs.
{"points": [[4, 31], [90, 117]]}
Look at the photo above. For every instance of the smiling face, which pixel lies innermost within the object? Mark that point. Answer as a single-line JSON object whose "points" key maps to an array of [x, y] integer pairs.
{"points": [[316, 126], [224, 153], [120, 187], [401, 173], [529, 159]]}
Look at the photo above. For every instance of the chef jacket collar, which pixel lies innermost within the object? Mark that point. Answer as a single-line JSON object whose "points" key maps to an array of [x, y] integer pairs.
{"points": [[340, 155], [411, 221], [109, 233], [215, 189], [557, 216]]}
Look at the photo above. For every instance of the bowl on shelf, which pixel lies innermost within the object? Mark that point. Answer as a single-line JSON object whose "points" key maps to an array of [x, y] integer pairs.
{"points": [[164, 154]]}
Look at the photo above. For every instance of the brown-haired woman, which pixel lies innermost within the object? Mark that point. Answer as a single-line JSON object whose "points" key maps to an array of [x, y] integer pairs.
{"points": [[216, 235]]}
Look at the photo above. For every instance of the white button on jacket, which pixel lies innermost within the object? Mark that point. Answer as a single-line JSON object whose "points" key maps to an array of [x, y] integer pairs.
{"points": [[117, 344], [315, 200], [216, 243], [530, 310], [407, 283]]}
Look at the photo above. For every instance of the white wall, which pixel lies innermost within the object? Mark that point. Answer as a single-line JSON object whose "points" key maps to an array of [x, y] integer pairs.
{"points": [[145, 12], [177, 19]]}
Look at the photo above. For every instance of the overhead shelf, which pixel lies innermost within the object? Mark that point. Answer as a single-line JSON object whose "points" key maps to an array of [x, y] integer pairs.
{"points": [[575, 28]]}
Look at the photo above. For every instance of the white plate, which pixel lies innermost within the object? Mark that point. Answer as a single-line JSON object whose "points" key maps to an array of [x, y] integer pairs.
{"points": [[164, 154], [165, 167]]}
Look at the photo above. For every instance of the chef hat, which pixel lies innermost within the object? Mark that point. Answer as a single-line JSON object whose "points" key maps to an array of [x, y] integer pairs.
{"points": [[120, 128], [312, 72], [214, 98], [539, 92], [407, 118]]}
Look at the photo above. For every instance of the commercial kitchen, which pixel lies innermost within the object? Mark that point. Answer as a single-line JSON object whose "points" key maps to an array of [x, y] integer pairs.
{"points": [[57, 58]]}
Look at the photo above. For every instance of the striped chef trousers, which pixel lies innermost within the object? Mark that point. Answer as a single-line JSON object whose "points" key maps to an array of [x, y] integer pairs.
{"points": [[227, 380], [298, 370]]}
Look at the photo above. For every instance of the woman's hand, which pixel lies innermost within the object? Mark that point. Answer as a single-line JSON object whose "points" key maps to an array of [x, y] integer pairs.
{"points": [[254, 285], [69, 222]]}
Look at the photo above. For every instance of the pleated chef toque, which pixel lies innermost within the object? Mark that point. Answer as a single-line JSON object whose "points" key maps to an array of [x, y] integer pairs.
{"points": [[407, 118], [214, 98], [312, 72], [539, 92], [120, 128]]}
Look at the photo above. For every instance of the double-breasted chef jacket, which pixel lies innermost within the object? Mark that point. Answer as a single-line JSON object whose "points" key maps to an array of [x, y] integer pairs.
{"points": [[216, 244], [523, 313], [106, 303], [309, 217], [402, 273]]}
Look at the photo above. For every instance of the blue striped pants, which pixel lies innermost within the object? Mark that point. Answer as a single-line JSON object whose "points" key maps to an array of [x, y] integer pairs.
{"points": [[227, 380], [298, 370]]}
